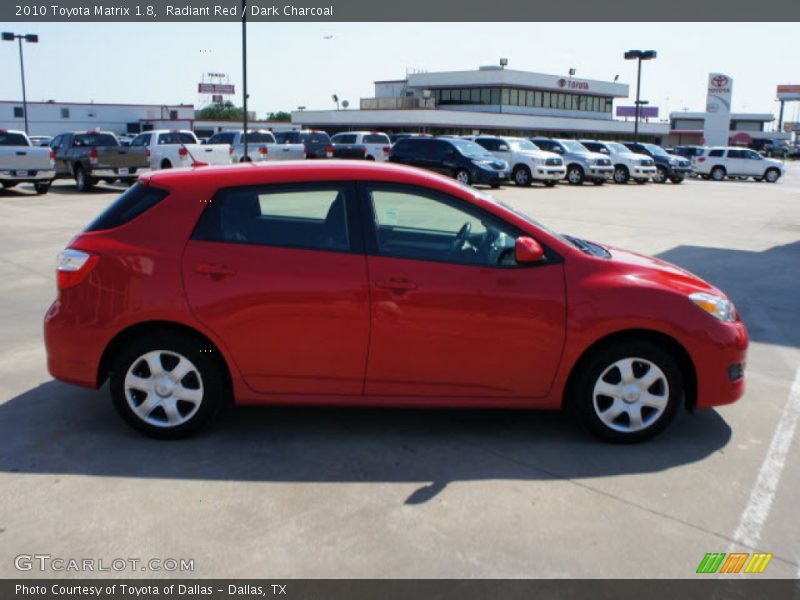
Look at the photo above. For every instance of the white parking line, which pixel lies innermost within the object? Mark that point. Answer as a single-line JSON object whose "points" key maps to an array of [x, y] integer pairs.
{"points": [[757, 510]]}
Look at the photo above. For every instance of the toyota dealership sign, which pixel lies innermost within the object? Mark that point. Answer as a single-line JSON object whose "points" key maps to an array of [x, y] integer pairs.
{"points": [[718, 109]]}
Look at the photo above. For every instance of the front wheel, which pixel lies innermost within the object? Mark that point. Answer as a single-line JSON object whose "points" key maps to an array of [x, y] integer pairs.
{"points": [[628, 391], [772, 175], [718, 173], [41, 188], [550, 183], [462, 176], [621, 174], [676, 179], [575, 175], [522, 176], [661, 175], [7, 185], [167, 385]]}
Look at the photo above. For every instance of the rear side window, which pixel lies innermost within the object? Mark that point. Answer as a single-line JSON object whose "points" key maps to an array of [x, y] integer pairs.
{"points": [[402, 146], [135, 201], [344, 138], [12, 139], [94, 139], [308, 217], [177, 137], [717, 152], [260, 137]]}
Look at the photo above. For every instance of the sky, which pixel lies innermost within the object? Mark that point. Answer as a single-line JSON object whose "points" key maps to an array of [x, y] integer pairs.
{"points": [[293, 64]]}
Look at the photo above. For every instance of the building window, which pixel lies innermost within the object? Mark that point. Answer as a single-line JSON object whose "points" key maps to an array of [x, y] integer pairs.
{"points": [[65, 113], [173, 114], [495, 96], [504, 96], [18, 112], [514, 97], [537, 99], [485, 96]]}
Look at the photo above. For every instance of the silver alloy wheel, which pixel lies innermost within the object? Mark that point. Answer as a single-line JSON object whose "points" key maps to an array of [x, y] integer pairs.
{"points": [[574, 175], [463, 177], [620, 175], [163, 388], [660, 176], [771, 175], [630, 395], [522, 176], [718, 174]]}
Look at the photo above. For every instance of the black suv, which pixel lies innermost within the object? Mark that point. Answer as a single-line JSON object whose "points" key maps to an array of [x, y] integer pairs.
{"points": [[464, 160], [668, 166], [317, 143]]}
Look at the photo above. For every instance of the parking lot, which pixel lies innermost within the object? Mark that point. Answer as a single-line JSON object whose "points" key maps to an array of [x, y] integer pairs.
{"points": [[305, 492]]}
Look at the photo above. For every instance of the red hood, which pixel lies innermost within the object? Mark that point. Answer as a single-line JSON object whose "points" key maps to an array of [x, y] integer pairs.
{"points": [[660, 272]]}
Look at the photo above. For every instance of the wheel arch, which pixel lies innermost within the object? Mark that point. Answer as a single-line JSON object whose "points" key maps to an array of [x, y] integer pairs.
{"points": [[681, 355], [144, 328]]}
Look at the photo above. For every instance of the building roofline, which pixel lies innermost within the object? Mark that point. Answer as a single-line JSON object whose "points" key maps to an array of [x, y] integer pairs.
{"points": [[58, 103]]}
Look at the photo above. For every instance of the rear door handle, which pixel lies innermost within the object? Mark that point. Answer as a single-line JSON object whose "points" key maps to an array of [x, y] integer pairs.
{"points": [[397, 284], [214, 271]]}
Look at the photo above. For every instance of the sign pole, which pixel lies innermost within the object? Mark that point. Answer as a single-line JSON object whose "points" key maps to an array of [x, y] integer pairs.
{"points": [[244, 76]]}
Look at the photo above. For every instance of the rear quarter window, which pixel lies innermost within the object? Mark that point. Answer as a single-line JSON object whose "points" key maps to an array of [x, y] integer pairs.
{"points": [[376, 138], [716, 153], [135, 201]]}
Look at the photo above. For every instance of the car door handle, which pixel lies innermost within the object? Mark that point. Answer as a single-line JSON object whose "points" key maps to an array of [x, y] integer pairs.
{"points": [[396, 284], [214, 271]]}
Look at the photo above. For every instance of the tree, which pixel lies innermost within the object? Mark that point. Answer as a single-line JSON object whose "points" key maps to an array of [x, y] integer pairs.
{"points": [[221, 111], [281, 115]]}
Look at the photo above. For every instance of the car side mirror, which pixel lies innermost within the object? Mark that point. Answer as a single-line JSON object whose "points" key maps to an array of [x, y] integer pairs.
{"points": [[558, 150], [527, 250], [503, 148]]}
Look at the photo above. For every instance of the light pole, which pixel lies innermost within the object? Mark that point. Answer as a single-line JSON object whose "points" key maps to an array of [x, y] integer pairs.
{"points": [[31, 38], [639, 55], [244, 77]]}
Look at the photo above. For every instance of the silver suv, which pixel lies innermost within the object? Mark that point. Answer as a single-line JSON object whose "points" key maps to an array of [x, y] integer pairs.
{"points": [[582, 164]]}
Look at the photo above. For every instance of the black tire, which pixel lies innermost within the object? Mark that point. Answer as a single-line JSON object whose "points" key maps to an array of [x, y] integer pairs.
{"points": [[718, 173], [109, 181], [676, 179], [758, 179], [7, 185], [212, 382], [82, 180], [42, 188], [598, 181], [772, 175], [621, 174], [641, 181], [165, 164], [522, 176], [550, 183], [599, 364], [661, 174], [575, 175], [462, 175], [372, 158]]}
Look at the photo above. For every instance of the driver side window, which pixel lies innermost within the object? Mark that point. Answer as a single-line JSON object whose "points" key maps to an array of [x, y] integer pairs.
{"points": [[415, 225]]}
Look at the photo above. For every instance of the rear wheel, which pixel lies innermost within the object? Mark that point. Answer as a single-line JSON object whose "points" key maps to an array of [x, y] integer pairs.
{"points": [[598, 181], [628, 391], [676, 179], [167, 385], [621, 174], [462, 176], [550, 183], [82, 180], [575, 175], [7, 185], [522, 176], [718, 173], [641, 181], [165, 164], [41, 188]]}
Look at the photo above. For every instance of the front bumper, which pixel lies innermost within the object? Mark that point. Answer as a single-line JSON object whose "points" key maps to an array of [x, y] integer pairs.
{"points": [[545, 173], [487, 176], [720, 366], [680, 171], [596, 172], [29, 176], [116, 173], [643, 172]]}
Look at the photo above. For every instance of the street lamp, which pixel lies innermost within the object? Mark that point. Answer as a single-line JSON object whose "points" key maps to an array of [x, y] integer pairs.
{"points": [[31, 38], [639, 55]]}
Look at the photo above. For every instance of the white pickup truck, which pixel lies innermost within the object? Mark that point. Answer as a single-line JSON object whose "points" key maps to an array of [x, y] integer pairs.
{"points": [[168, 148], [20, 162], [261, 146], [527, 162]]}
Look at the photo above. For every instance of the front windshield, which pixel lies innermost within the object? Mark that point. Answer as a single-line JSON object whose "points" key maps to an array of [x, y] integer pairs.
{"points": [[656, 150], [470, 149], [523, 146], [618, 148], [574, 146]]}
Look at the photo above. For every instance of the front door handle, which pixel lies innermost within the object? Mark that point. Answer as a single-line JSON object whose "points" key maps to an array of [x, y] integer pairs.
{"points": [[214, 271], [396, 284]]}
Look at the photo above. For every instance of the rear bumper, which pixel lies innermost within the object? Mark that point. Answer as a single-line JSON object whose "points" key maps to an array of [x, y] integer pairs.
{"points": [[32, 176], [116, 174], [73, 352]]}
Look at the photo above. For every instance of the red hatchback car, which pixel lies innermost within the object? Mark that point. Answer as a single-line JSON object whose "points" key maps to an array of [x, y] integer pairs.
{"points": [[344, 283]]}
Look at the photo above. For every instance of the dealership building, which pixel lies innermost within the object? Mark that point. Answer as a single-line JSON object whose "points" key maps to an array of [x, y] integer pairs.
{"points": [[688, 128]]}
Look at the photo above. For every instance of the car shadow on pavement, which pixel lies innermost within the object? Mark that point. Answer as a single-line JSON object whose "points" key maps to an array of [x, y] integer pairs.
{"points": [[60, 429], [764, 286]]}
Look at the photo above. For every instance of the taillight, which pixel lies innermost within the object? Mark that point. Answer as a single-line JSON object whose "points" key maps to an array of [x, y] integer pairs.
{"points": [[329, 151], [93, 156], [263, 150], [52, 155], [701, 159], [230, 149], [387, 150], [73, 266], [182, 151], [147, 153], [198, 163]]}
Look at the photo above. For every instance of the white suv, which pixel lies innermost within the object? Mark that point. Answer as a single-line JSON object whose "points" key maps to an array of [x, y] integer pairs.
{"points": [[627, 165], [527, 162], [371, 145], [720, 162]]}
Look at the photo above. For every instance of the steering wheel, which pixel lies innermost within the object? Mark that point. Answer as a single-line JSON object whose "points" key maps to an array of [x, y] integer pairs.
{"points": [[461, 237]]}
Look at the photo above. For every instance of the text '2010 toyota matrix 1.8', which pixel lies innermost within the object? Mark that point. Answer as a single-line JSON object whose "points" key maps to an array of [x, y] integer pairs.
{"points": [[380, 285]]}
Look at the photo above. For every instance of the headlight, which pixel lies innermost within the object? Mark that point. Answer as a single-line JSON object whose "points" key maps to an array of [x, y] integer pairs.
{"points": [[483, 164], [717, 306]]}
